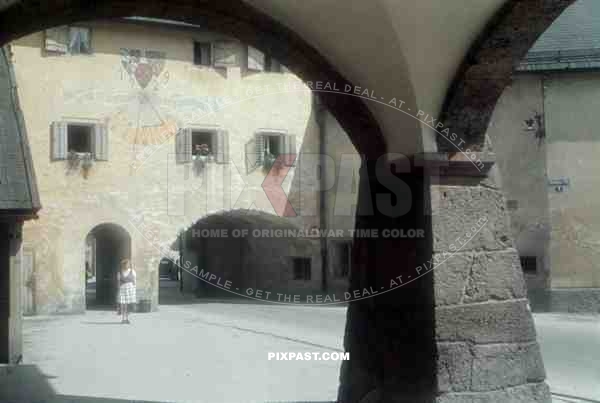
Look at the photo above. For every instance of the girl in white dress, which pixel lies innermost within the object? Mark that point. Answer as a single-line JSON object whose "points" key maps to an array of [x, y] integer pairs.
{"points": [[127, 285]]}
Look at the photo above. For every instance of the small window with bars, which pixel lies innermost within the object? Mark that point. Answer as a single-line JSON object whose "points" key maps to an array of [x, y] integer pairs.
{"points": [[529, 264]]}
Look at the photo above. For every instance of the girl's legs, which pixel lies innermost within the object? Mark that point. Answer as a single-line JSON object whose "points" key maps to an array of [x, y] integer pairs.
{"points": [[124, 312]]}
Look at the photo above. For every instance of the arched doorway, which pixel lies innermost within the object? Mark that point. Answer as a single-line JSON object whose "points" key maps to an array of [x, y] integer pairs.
{"points": [[106, 245]]}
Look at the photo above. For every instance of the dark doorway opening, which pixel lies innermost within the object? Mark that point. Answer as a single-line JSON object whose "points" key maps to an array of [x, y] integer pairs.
{"points": [[106, 246]]}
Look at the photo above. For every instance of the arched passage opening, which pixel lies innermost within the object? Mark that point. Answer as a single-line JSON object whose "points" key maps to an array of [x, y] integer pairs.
{"points": [[252, 250], [106, 245]]}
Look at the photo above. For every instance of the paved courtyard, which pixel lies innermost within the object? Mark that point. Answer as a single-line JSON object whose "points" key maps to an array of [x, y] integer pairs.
{"points": [[184, 353], [218, 352]]}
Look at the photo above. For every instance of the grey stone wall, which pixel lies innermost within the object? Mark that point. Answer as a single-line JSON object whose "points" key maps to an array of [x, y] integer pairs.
{"points": [[486, 340], [461, 330]]}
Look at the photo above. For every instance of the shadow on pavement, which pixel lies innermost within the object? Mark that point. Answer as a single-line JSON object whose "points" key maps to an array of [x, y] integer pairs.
{"points": [[27, 384]]}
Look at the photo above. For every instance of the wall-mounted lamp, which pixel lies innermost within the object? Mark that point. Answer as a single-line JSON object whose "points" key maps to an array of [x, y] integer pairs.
{"points": [[536, 124]]}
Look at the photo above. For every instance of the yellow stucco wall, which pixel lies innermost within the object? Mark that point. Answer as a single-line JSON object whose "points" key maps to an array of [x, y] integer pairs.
{"points": [[140, 187]]}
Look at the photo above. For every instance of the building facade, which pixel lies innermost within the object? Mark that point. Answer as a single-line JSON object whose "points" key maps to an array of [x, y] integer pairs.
{"points": [[544, 134], [139, 128]]}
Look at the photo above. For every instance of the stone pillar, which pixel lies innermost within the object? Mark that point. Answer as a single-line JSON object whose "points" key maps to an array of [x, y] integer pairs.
{"points": [[486, 340], [10, 293], [461, 331]]}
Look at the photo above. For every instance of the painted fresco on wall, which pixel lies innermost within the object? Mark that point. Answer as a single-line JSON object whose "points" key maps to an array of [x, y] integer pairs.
{"points": [[144, 66]]}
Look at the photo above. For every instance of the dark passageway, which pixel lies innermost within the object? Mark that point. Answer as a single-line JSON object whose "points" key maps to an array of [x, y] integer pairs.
{"points": [[107, 245]]}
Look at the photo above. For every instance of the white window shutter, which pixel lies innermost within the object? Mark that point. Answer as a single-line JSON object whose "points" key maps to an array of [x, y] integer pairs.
{"points": [[188, 144], [222, 143], [260, 149], [288, 142], [250, 155], [225, 54], [56, 40], [59, 140], [100, 142], [179, 143], [183, 145], [256, 59]]}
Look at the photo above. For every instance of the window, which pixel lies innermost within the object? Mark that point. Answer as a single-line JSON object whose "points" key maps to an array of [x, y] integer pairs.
{"points": [[75, 137], [273, 65], [79, 40], [267, 146], [256, 59], [529, 264], [512, 204], [225, 54], [302, 268], [190, 144], [342, 259], [202, 144], [259, 61], [68, 39], [202, 54], [79, 138], [273, 145]]}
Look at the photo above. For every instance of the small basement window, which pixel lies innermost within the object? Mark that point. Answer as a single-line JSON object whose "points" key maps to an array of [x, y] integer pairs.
{"points": [[302, 266], [79, 138], [529, 264], [202, 54]]}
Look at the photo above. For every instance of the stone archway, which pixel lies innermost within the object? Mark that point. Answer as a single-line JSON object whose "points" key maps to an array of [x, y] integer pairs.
{"points": [[446, 340], [488, 66], [261, 259], [106, 245]]}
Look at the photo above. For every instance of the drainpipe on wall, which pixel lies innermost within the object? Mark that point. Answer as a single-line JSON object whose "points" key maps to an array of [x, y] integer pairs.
{"points": [[180, 239], [320, 119]]}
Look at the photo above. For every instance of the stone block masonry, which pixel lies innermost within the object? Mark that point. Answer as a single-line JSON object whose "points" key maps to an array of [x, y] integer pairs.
{"points": [[485, 336]]}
